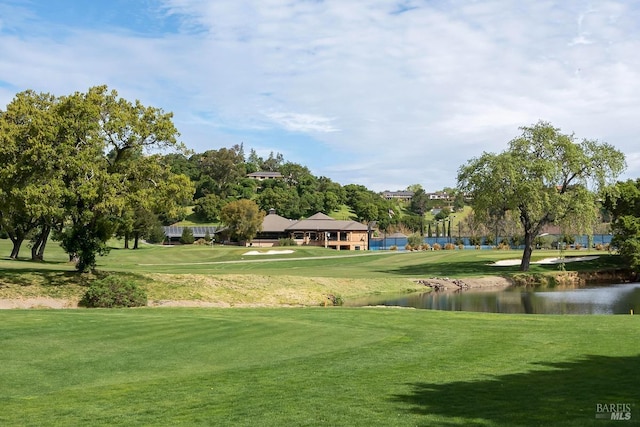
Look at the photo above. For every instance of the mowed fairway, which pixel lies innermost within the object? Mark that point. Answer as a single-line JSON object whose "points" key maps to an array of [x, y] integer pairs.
{"points": [[313, 366]]}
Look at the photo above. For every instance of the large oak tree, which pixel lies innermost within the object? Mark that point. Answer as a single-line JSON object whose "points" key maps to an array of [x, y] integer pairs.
{"points": [[77, 163], [544, 177], [31, 185]]}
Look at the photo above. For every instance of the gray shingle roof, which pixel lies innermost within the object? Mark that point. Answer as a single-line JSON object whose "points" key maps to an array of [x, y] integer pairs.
{"points": [[264, 174], [324, 222], [275, 223]]}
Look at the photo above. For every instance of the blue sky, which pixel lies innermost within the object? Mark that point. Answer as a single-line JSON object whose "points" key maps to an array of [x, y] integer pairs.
{"points": [[381, 93]]}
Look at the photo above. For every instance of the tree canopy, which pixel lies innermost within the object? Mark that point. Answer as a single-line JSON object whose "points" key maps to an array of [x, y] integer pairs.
{"points": [[624, 204], [243, 218], [31, 177], [544, 177], [78, 165]]}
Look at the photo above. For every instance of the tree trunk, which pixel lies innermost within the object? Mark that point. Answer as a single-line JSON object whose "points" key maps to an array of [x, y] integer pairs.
{"points": [[35, 247], [37, 250], [17, 242], [126, 240], [528, 249], [136, 238], [43, 245]]}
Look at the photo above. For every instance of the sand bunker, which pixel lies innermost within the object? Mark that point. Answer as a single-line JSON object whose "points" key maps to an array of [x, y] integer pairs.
{"points": [[509, 262], [270, 252]]}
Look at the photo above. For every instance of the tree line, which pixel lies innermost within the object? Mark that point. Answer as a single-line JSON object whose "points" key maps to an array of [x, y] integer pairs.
{"points": [[220, 176], [85, 167]]}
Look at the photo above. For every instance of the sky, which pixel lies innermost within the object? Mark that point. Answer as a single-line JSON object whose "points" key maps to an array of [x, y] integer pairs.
{"points": [[382, 93]]}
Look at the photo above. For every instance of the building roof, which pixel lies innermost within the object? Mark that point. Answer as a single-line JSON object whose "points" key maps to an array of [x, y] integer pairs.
{"points": [[173, 231], [322, 222], [275, 223], [264, 174], [320, 216], [397, 194]]}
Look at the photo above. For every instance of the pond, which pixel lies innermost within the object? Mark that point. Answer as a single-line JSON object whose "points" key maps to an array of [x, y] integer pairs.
{"points": [[610, 299]]}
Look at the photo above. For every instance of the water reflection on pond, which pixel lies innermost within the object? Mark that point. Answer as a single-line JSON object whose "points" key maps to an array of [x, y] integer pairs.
{"points": [[611, 299]]}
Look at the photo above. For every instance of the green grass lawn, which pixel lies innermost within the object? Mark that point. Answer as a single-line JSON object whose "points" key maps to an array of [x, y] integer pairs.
{"points": [[302, 366], [304, 261], [313, 366], [312, 261]]}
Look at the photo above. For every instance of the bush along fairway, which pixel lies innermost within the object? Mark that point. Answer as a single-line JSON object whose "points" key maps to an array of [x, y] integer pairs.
{"points": [[313, 366]]}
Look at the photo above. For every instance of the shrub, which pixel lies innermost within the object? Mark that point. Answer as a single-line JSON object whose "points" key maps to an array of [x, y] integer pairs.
{"points": [[516, 241], [187, 236], [426, 247], [415, 240], [568, 239], [335, 300], [393, 248], [449, 247], [543, 242], [113, 292], [408, 247], [156, 235], [200, 242], [436, 247], [287, 241], [475, 240]]}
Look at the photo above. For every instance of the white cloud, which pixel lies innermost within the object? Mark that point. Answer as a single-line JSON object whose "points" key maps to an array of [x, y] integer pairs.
{"points": [[297, 122], [408, 97]]}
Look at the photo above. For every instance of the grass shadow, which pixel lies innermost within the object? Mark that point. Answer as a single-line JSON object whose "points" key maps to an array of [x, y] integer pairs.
{"points": [[558, 394], [29, 273], [441, 268], [604, 261], [29, 276], [467, 268]]}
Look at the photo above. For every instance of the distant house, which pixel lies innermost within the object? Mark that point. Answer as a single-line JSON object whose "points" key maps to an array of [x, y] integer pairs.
{"points": [[398, 195], [440, 195], [262, 175], [317, 230]]}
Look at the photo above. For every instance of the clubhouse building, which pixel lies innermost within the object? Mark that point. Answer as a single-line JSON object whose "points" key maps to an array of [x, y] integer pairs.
{"points": [[317, 230]]}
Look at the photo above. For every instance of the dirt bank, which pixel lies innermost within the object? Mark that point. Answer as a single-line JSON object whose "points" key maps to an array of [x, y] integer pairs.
{"points": [[37, 302], [484, 283]]}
